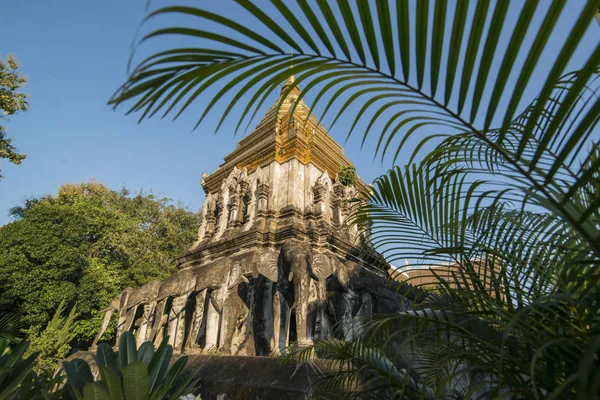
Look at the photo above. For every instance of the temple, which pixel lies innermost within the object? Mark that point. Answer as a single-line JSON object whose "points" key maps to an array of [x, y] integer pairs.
{"points": [[276, 262]]}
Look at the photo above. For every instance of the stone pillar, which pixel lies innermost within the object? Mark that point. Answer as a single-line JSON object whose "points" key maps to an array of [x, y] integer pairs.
{"points": [[320, 208], [234, 208], [244, 203], [209, 224], [193, 340], [336, 207], [337, 204], [146, 322], [263, 197]]}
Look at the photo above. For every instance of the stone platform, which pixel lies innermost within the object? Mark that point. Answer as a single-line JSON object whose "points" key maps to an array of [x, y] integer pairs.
{"points": [[245, 378]]}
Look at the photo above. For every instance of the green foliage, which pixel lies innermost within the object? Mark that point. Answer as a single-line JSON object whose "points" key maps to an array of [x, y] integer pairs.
{"points": [[131, 373], [84, 246], [347, 175], [11, 102], [54, 342], [42, 386], [504, 209], [11, 327], [14, 369]]}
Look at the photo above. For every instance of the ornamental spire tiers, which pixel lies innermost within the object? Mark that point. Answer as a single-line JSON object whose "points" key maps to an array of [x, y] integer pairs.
{"points": [[281, 136]]}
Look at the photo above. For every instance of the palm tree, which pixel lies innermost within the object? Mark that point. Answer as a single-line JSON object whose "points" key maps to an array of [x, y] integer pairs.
{"points": [[501, 201]]}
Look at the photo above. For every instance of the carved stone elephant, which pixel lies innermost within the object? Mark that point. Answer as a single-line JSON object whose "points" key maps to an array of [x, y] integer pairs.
{"points": [[325, 267], [357, 292], [218, 305], [116, 305], [139, 311], [293, 272], [169, 317]]}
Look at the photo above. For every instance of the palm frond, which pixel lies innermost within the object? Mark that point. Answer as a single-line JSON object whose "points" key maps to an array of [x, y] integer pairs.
{"points": [[328, 27]]}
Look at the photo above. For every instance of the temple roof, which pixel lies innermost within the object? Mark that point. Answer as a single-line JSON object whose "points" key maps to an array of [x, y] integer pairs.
{"points": [[280, 137]]}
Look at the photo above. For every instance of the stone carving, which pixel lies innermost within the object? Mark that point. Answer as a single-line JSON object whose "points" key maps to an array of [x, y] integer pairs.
{"points": [[115, 306]]}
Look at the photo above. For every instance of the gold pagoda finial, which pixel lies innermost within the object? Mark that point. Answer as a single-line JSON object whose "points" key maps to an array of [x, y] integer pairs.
{"points": [[291, 78]]}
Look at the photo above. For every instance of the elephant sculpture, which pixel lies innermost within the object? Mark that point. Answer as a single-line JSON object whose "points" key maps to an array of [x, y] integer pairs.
{"points": [[218, 305], [139, 311], [235, 305], [169, 317], [355, 292], [116, 305], [292, 270]]}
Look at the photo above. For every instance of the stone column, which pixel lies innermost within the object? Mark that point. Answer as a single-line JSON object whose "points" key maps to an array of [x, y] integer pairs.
{"points": [[220, 215], [193, 340], [242, 205], [209, 217], [263, 197], [337, 205], [234, 207], [320, 207]]}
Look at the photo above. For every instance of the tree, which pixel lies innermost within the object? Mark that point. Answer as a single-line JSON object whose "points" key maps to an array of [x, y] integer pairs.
{"points": [[11, 102], [84, 246], [504, 205]]}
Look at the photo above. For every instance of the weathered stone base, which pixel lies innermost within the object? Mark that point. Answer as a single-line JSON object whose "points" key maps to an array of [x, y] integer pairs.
{"points": [[249, 378]]}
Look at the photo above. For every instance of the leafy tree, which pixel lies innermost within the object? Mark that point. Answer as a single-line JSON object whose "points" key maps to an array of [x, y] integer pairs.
{"points": [[84, 246], [11, 102], [504, 206]]}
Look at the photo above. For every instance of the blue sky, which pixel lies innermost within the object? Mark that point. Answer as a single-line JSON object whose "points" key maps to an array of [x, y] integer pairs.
{"points": [[75, 55]]}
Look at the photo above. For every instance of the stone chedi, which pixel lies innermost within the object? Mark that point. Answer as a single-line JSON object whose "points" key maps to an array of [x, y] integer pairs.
{"points": [[276, 260]]}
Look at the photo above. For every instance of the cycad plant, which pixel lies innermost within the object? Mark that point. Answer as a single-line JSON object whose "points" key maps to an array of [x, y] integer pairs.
{"points": [[130, 373], [499, 198], [14, 368]]}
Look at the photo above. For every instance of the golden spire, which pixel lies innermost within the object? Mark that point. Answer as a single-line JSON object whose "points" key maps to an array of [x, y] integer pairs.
{"points": [[291, 79]]}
